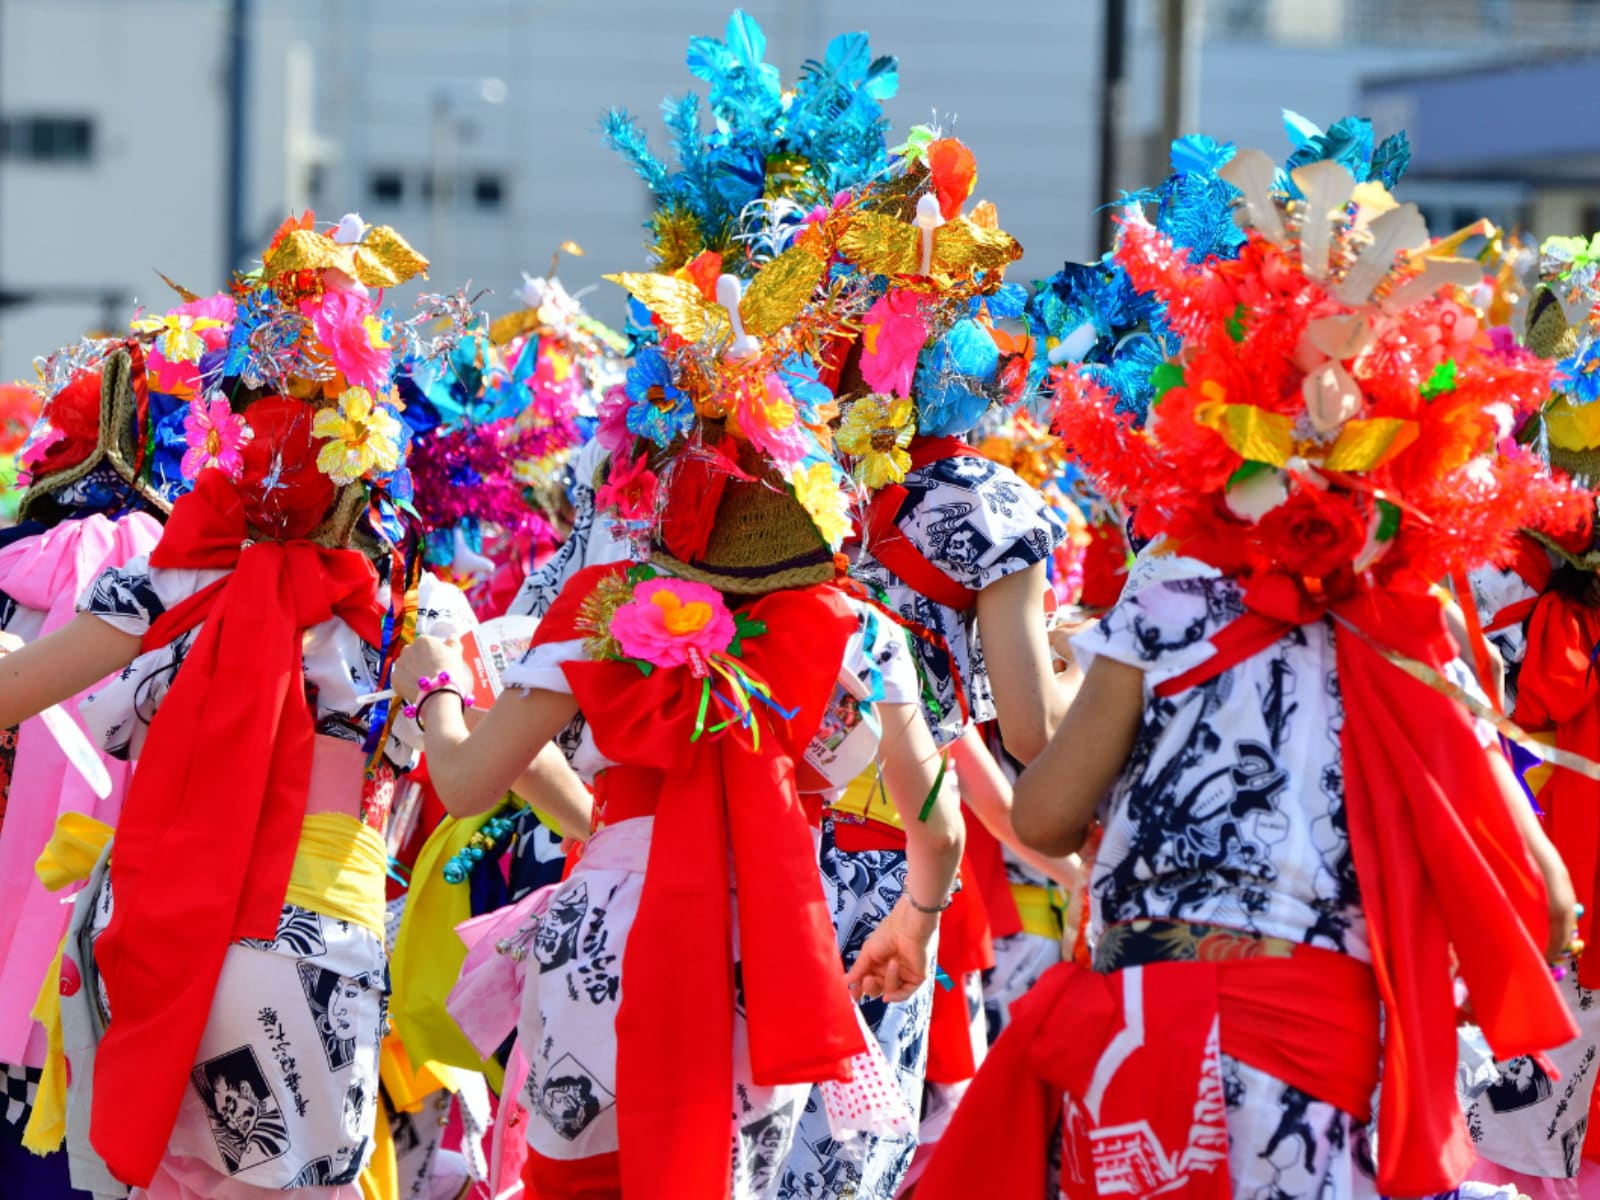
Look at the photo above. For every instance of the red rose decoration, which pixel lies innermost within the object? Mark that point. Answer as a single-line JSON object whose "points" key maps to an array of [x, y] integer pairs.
{"points": [[284, 493], [1313, 533]]}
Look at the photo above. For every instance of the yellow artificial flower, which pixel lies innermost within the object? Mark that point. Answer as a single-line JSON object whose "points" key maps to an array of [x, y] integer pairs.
{"points": [[877, 430], [180, 335], [819, 494], [363, 437]]}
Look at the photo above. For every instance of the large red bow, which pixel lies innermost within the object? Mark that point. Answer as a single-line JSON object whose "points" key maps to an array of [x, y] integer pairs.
{"points": [[211, 821], [675, 1025], [1439, 859]]}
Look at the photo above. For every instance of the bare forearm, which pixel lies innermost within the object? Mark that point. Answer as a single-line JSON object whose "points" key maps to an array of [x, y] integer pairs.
{"points": [[60, 665], [553, 787]]}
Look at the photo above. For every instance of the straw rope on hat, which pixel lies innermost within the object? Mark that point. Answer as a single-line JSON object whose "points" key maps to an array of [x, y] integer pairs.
{"points": [[762, 540]]}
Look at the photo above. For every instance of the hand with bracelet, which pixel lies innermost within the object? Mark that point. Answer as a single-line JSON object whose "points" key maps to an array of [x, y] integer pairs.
{"points": [[428, 669], [898, 956]]}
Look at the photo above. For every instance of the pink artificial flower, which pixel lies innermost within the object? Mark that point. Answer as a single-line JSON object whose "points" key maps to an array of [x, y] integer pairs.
{"points": [[892, 335], [215, 435], [629, 490], [353, 336], [673, 623], [769, 419], [612, 431]]}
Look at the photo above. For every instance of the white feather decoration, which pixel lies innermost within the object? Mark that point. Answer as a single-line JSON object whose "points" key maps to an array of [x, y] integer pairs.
{"points": [[1397, 230], [1327, 188], [1251, 171]]}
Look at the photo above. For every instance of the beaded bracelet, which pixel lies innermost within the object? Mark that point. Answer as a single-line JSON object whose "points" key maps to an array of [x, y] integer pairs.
{"points": [[428, 687]]}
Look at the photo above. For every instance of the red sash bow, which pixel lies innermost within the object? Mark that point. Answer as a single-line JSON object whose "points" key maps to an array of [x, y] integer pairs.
{"points": [[675, 1026], [1439, 859], [212, 818]]}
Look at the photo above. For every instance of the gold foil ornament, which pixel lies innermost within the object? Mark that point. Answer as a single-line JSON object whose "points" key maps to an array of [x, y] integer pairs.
{"points": [[780, 290], [1364, 445], [381, 259], [1250, 432], [961, 248], [679, 304]]}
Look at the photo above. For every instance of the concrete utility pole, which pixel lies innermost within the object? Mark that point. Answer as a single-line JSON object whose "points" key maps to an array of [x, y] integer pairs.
{"points": [[1113, 66], [1180, 85], [236, 33]]}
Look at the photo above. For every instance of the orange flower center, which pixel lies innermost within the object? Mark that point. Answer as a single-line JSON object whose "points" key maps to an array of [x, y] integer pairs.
{"points": [[213, 443], [884, 439], [679, 618]]}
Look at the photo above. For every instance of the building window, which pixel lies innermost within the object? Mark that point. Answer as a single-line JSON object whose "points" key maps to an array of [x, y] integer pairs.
{"points": [[488, 191], [386, 186], [48, 138]]}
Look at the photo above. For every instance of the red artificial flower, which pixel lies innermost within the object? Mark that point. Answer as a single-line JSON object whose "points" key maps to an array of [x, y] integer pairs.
{"points": [[629, 490], [703, 271], [284, 493], [1105, 565], [19, 408], [954, 171], [74, 417], [1314, 533]]}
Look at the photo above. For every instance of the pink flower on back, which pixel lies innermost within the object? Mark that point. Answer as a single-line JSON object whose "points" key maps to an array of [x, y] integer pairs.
{"points": [[353, 336], [612, 430], [892, 335], [673, 623], [629, 490], [215, 436]]}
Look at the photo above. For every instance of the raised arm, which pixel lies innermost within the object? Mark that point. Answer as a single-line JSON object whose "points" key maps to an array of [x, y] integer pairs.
{"points": [[60, 665], [1054, 801], [1011, 629]]}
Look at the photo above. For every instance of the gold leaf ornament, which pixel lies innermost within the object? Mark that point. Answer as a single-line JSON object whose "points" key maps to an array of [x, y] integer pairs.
{"points": [[961, 248], [1367, 444], [381, 259], [1250, 432], [780, 290], [679, 304]]}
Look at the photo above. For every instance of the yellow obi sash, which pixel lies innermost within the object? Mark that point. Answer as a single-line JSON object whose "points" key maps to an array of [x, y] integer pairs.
{"points": [[338, 871], [867, 799], [1040, 914]]}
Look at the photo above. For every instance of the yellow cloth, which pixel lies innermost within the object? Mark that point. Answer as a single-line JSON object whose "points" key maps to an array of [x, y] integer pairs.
{"points": [[428, 957], [380, 1178], [67, 858], [73, 849], [1040, 914], [338, 871], [866, 797]]}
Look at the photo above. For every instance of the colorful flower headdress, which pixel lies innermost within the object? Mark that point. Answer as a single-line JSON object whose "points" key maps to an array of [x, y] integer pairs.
{"points": [[773, 155], [1563, 320], [1091, 313], [1337, 408], [286, 381], [494, 423]]}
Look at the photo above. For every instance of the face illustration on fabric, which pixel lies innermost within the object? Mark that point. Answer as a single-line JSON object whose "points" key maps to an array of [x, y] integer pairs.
{"points": [[335, 1002], [247, 1124], [570, 1098], [555, 940], [764, 1143]]}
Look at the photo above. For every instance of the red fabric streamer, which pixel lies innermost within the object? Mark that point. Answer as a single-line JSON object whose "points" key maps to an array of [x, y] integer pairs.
{"points": [[211, 821], [1064, 1031], [1439, 859], [1557, 689], [965, 945], [675, 1026]]}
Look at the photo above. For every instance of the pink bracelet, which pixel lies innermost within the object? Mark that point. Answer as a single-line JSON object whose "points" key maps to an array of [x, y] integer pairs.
{"points": [[426, 685]]}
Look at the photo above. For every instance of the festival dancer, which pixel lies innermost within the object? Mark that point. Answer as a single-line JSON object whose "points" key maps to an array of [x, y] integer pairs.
{"points": [[727, 687], [1294, 829], [236, 983], [94, 499]]}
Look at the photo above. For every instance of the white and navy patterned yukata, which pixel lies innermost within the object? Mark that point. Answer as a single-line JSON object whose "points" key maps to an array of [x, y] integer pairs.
{"points": [[284, 1091], [575, 945], [1230, 811]]}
